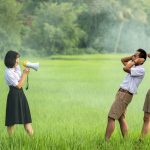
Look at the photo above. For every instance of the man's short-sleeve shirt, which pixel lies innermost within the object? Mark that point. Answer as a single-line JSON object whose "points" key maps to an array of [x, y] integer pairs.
{"points": [[133, 79]]}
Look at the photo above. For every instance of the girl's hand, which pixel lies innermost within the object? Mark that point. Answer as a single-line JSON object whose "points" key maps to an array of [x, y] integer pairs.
{"points": [[26, 71]]}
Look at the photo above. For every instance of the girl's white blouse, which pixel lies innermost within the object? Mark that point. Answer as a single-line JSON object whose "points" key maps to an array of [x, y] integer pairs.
{"points": [[12, 76]]}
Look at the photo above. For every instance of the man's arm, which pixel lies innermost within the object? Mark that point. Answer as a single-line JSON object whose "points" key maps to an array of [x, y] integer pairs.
{"points": [[128, 66], [126, 59]]}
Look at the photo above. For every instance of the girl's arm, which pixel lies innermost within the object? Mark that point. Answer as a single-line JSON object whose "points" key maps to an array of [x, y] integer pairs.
{"points": [[23, 77]]}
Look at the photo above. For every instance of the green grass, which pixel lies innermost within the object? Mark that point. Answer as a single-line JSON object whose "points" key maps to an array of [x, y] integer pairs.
{"points": [[69, 99]]}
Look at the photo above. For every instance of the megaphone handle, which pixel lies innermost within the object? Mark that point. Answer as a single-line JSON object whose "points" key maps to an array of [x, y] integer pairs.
{"points": [[27, 86]]}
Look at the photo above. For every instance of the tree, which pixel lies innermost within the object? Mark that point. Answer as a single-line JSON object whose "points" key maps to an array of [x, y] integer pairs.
{"points": [[10, 25], [108, 20], [55, 29], [129, 12]]}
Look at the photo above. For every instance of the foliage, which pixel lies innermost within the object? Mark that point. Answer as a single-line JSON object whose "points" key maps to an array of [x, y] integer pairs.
{"points": [[48, 27], [54, 29], [10, 25]]}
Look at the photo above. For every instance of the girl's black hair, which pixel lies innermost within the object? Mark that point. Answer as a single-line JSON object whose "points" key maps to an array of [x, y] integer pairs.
{"points": [[10, 58]]}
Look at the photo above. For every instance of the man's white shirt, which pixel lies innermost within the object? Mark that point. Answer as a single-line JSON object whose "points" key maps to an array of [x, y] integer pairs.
{"points": [[133, 79]]}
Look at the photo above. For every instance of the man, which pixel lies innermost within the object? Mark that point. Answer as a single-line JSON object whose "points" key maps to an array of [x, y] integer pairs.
{"points": [[146, 118], [135, 73]]}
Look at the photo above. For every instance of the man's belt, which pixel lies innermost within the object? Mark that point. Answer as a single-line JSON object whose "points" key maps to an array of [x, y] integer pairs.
{"points": [[125, 91]]}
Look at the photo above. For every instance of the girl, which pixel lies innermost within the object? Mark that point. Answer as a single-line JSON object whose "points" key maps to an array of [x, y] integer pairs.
{"points": [[17, 109]]}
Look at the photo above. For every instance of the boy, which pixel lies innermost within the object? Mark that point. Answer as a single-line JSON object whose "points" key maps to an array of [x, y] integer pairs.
{"points": [[133, 66]]}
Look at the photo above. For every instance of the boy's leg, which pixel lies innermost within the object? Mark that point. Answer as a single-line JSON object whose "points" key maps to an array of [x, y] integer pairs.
{"points": [[117, 109], [123, 125], [110, 128], [146, 118], [146, 125]]}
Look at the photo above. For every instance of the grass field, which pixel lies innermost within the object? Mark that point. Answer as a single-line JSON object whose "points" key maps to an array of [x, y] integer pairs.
{"points": [[69, 99]]}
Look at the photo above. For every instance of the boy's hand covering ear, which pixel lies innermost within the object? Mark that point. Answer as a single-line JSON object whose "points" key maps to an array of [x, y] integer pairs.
{"points": [[139, 61]]}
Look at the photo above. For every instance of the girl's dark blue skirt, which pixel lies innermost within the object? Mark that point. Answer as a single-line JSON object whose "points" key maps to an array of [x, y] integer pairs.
{"points": [[17, 108]]}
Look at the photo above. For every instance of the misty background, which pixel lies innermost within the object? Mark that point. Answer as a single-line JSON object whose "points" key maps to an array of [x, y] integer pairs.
{"points": [[49, 27]]}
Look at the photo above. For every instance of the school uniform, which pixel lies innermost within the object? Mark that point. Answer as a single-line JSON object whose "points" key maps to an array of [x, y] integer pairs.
{"points": [[17, 108], [126, 91]]}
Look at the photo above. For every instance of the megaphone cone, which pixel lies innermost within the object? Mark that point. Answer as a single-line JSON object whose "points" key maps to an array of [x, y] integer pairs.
{"points": [[28, 64]]}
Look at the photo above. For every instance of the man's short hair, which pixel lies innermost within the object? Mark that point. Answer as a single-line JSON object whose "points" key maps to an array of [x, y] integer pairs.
{"points": [[142, 54]]}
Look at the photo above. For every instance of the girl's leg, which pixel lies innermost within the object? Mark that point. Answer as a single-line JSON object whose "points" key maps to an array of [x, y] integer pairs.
{"points": [[28, 128], [10, 129]]}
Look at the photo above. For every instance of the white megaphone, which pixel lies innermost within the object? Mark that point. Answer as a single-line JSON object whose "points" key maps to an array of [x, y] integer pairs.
{"points": [[28, 64]]}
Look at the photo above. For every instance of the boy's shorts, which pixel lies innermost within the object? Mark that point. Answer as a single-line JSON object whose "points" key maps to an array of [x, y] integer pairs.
{"points": [[146, 107], [120, 104]]}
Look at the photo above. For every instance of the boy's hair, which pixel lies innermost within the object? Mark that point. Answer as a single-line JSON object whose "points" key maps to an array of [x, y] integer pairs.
{"points": [[10, 58], [142, 54]]}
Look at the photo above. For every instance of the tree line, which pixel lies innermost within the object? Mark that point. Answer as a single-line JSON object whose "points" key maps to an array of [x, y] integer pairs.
{"points": [[47, 27]]}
